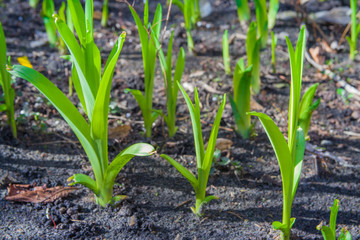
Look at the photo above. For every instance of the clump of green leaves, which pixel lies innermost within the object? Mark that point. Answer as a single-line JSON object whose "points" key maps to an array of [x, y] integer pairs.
{"points": [[171, 83], [273, 54], [149, 53], [253, 56], [226, 54], [204, 159], [5, 82], [243, 10], [105, 13], [355, 29], [289, 154], [240, 102], [191, 11], [329, 232], [93, 90]]}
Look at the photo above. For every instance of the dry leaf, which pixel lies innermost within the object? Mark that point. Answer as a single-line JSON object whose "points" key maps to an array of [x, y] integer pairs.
{"points": [[326, 47], [97, 15], [36, 194], [222, 144], [315, 54], [119, 132], [254, 105]]}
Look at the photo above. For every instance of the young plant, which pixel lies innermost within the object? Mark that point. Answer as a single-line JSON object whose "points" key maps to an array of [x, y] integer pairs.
{"points": [[273, 55], [93, 90], [5, 82], [253, 56], [33, 3], [273, 10], [226, 54], [171, 83], [105, 13], [289, 154], [149, 52], [240, 102], [262, 21], [307, 107], [243, 10], [355, 29], [329, 232], [191, 12], [48, 9], [204, 159]]}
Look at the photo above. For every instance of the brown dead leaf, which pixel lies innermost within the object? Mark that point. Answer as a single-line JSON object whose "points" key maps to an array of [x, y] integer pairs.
{"points": [[97, 15], [315, 54], [254, 105], [326, 47], [36, 194], [119, 132], [223, 144]]}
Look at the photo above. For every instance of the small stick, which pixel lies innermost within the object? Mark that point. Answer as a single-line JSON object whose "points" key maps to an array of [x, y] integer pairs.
{"points": [[183, 203]]}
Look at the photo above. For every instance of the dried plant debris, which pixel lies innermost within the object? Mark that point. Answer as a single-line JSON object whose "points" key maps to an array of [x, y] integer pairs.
{"points": [[36, 194]]}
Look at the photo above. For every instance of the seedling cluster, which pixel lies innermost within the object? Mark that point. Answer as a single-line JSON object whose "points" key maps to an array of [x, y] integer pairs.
{"points": [[72, 30]]}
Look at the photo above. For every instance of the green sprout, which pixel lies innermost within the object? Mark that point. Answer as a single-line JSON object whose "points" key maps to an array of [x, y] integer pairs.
{"points": [[226, 54], [273, 55], [149, 53], [48, 9], [240, 102], [33, 3], [105, 13], [329, 232], [262, 21], [191, 11], [289, 154], [5, 82], [355, 29], [273, 10], [93, 90], [204, 158], [243, 10], [171, 86], [253, 56]]}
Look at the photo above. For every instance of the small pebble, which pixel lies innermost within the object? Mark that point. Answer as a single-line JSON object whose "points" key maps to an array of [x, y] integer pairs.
{"points": [[326, 143]]}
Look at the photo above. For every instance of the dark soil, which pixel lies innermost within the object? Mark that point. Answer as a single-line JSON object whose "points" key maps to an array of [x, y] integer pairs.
{"points": [[159, 198]]}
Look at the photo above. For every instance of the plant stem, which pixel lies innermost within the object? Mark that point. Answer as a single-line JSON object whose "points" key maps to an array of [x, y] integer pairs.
{"points": [[190, 42], [105, 13]]}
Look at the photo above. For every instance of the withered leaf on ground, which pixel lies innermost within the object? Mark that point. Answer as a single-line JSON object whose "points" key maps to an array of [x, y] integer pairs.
{"points": [[119, 132], [36, 194]]}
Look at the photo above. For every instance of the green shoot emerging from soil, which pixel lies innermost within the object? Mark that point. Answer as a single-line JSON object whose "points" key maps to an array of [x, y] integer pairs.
{"points": [[273, 10], [48, 9], [105, 13], [226, 54], [33, 3], [149, 52], [93, 90], [253, 56], [355, 29], [204, 159], [191, 12], [5, 82], [329, 232], [240, 103], [243, 10], [289, 154], [262, 21], [171, 86], [273, 54]]}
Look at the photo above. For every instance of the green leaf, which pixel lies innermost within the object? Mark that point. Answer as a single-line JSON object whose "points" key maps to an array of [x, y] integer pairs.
{"points": [[262, 21], [139, 97], [243, 10], [327, 233], [186, 173], [84, 180], [251, 39], [226, 55], [279, 226], [78, 57], [307, 107], [78, 19], [196, 124], [299, 155], [281, 149], [179, 4], [333, 215], [209, 198], [273, 10], [138, 149], [66, 109], [344, 235], [3, 107]]}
